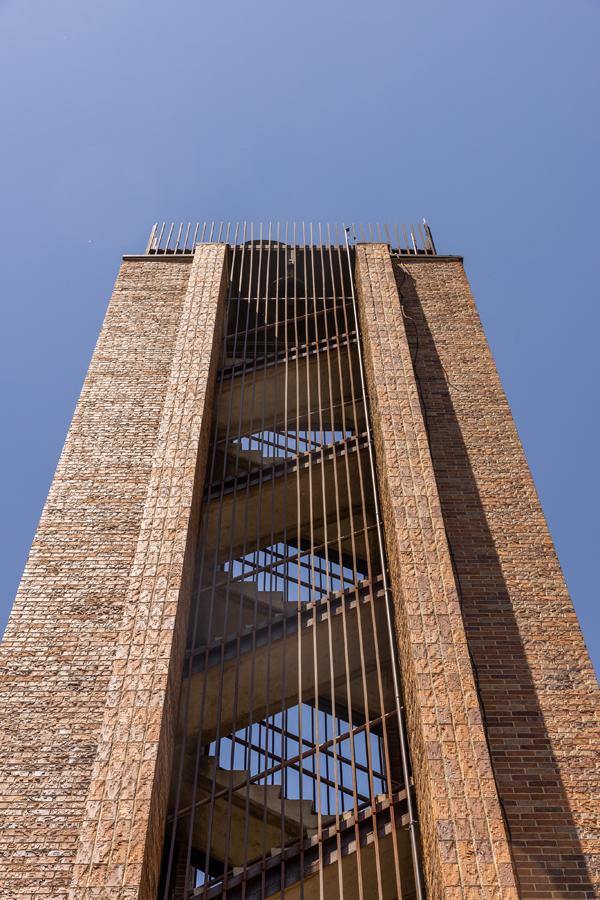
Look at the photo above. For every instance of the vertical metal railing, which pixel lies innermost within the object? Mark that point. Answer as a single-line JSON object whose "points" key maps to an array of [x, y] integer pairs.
{"points": [[291, 768], [169, 238]]}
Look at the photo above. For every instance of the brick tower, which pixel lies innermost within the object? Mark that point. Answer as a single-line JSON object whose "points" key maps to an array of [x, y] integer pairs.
{"points": [[292, 624]]}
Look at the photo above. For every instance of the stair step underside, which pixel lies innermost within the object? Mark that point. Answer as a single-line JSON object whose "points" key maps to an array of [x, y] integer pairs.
{"points": [[247, 679], [331, 856], [254, 396]]}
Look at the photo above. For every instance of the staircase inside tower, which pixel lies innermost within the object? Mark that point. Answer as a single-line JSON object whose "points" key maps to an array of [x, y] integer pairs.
{"points": [[290, 774]]}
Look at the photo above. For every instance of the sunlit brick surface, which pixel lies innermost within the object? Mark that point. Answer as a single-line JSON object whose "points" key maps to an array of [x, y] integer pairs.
{"points": [[61, 653], [121, 835]]}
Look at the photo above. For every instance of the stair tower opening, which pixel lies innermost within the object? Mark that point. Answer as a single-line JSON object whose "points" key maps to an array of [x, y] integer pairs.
{"points": [[291, 773]]}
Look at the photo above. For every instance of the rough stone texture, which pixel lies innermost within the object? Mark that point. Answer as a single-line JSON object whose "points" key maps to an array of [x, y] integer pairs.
{"points": [[92, 653], [465, 846], [59, 642], [60, 666], [122, 832], [537, 684]]}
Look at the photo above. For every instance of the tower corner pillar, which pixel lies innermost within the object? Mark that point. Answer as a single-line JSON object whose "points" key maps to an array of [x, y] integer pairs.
{"points": [[464, 839]]}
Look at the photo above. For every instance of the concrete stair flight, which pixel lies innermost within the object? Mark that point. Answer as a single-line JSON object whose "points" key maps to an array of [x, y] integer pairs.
{"points": [[243, 680], [237, 606], [247, 820]]}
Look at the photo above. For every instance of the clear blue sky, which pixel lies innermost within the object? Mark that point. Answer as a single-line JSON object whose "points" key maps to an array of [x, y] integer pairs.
{"points": [[481, 116]]}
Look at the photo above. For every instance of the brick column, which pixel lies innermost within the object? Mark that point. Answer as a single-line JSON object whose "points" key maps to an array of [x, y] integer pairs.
{"points": [[465, 847], [57, 653], [121, 837]]}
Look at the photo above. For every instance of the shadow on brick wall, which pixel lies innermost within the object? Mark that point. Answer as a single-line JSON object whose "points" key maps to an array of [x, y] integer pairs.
{"points": [[548, 855]]}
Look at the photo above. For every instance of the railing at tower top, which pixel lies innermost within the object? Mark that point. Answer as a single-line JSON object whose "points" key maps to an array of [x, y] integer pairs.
{"points": [[169, 238]]}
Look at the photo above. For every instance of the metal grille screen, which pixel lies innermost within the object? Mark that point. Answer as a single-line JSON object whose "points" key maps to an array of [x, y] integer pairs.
{"points": [[291, 768]]}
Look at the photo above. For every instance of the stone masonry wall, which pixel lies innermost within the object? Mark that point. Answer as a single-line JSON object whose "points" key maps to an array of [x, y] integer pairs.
{"points": [[58, 655], [59, 642], [121, 835], [538, 688], [465, 846]]}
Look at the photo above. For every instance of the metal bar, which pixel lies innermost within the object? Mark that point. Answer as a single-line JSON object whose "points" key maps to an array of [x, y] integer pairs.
{"points": [[429, 237], [347, 481], [422, 236], [395, 676], [361, 643], [294, 760], [151, 238], [168, 241], [178, 237], [198, 741], [158, 242], [339, 787], [317, 783], [414, 242], [322, 748], [282, 322], [252, 675]]}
